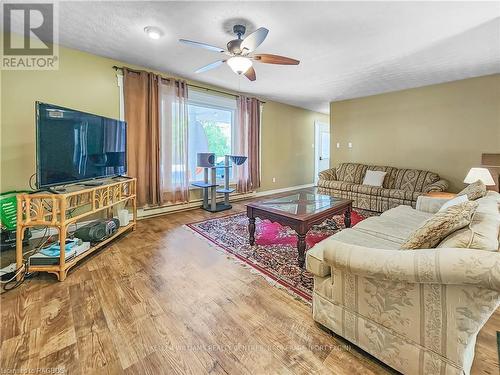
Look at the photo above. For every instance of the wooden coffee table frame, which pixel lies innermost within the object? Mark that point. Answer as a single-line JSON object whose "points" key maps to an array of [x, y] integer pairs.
{"points": [[300, 223]]}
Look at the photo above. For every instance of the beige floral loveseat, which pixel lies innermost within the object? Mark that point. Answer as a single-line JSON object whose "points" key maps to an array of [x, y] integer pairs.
{"points": [[400, 186], [419, 311]]}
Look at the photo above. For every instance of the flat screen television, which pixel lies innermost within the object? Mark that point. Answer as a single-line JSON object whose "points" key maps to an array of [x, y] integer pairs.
{"points": [[74, 146]]}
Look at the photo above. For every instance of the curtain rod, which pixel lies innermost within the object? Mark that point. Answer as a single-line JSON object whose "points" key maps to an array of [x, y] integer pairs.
{"points": [[214, 90], [189, 84]]}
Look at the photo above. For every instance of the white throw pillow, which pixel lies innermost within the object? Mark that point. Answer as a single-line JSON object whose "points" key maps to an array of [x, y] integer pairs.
{"points": [[374, 178], [453, 202]]}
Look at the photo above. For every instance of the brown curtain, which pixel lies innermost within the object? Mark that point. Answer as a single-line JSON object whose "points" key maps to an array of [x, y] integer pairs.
{"points": [[143, 129], [248, 143]]}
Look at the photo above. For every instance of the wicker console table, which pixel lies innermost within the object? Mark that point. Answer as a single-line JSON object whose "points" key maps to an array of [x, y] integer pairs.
{"points": [[61, 210]]}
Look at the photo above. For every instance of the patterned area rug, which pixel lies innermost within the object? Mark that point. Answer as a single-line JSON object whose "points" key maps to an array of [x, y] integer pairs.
{"points": [[275, 254]]}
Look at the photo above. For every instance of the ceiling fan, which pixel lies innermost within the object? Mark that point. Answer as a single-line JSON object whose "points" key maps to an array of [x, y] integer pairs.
{"points": [[241, 53]]}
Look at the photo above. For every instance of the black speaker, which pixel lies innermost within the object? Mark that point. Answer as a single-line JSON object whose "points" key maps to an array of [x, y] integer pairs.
{"points": [[98, 230]]}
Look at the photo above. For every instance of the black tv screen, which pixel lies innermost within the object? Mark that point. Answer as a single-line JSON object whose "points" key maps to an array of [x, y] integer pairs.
{"points": [[74, 146]]}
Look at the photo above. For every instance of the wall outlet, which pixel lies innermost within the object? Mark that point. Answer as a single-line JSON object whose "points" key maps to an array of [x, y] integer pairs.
{"points": [[274, 180], [338, 144], [349, 145]]}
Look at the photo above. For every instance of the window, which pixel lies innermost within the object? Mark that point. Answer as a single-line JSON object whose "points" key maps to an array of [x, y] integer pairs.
{"points": [[211, 120], [211, 125]]}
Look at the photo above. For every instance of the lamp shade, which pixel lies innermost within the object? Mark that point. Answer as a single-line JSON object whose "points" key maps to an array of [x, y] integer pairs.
{"points": [[482, 174], [239, 64]]}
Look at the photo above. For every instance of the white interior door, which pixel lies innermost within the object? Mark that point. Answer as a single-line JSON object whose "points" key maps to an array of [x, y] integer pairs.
{"points": [[321, 148]]}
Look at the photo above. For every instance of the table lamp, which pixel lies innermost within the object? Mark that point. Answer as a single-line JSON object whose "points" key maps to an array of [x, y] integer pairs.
{"points": [[492, 162], [482, 174]]}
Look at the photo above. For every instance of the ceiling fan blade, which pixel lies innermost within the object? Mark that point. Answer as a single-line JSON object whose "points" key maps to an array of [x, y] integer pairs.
{"points": [[210, 66], [267, 58], [250, 74], [202, 45], [255, 39]]}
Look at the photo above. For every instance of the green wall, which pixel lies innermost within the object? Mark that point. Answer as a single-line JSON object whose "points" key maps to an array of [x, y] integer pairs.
{"points": [[88, 83]]}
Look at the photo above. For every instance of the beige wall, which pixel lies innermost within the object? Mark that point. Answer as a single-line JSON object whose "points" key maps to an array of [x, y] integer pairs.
{"points": [[287, 145], [83, 82], [443, 128], [88, 83]]}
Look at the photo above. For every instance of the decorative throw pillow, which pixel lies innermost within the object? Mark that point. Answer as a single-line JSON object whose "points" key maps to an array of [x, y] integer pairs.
{"points": [[475, 190], [374, 178], [453, 202], [440, 225]]}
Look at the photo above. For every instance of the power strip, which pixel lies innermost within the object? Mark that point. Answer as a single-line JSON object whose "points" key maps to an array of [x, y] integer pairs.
{"points": [[8, 273], [10, 268]]}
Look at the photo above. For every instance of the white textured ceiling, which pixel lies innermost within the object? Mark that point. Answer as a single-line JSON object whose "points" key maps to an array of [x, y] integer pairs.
{"points": [[346, 49]]}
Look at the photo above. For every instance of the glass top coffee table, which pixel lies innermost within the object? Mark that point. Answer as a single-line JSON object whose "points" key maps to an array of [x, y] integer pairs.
{"points": [[299, 210]]}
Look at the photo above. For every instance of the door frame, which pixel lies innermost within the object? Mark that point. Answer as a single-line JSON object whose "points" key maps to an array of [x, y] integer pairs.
{"points": [[317, 125]]}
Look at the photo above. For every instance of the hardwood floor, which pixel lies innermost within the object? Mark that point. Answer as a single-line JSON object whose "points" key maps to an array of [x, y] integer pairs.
{"points": [[162, 301]]}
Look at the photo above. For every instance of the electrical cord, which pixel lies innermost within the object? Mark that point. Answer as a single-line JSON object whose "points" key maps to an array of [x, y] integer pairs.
{"points": [[44, 235], [18, 271], [70, 215], [13, 283], [7, 286], [31, 182], [40, 245]]}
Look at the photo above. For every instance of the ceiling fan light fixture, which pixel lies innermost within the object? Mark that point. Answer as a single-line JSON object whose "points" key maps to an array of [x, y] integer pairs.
{"points": [[239, 64], [240, 61], [153, 32]]}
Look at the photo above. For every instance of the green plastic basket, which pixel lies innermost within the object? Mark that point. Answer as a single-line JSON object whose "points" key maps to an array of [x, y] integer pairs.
{"points": [[8, 209]]}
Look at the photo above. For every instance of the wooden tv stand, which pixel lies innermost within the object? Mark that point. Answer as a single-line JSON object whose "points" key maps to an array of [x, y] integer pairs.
{"points": [[64, 209]]}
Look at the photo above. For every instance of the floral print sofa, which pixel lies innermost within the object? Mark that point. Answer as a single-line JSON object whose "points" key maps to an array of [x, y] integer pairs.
{"points": [[418, 311], [400, 186]]}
